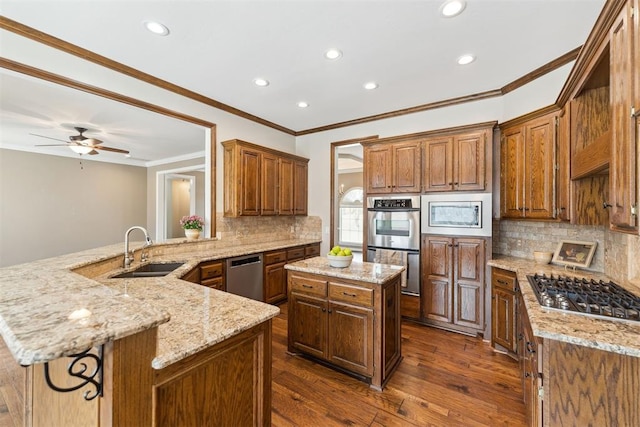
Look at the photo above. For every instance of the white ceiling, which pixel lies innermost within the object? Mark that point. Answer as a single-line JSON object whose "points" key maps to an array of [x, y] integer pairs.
{"points": [[217, 48]]}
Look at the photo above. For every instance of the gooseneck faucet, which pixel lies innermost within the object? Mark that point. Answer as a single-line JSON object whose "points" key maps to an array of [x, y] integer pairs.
{"points": [[128, 257]]}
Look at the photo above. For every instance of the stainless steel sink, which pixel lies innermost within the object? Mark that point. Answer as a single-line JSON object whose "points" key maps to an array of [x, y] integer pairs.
{"points": [[150, 270]]}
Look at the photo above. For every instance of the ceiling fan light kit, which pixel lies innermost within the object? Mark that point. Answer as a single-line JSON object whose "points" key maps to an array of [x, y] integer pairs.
{"points": [[80, 144]]}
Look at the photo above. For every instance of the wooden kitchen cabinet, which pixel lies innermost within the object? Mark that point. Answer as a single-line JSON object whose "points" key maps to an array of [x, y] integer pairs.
{"points": [[392, 167], [456, 162], [453, 282], [504, 312], [208, 273], [275, 275], [530, 355], [527, 167], [624, 67], [333, 320], [262, 181]]}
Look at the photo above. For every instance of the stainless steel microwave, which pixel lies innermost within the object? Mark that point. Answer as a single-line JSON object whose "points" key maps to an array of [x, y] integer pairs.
{"points": [[465, 214]]}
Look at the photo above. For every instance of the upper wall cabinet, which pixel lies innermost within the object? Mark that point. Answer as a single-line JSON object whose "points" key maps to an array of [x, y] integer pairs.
{"points": [[392, 167], [624, 69], [261, 181], [456, 162], [527, 167]]}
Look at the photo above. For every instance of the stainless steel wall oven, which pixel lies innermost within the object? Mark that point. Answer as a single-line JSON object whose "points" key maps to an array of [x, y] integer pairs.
{"points": [[394, 226]]}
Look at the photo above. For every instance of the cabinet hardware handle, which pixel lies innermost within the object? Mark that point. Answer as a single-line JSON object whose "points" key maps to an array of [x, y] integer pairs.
{"points": [[455, 246], [530, 348], [606, 205], [330, 311], [324, 309], [520, 336], [307, 286], [516, 289], [349, 295], [502, 282], [455, 183], [527, 374]]}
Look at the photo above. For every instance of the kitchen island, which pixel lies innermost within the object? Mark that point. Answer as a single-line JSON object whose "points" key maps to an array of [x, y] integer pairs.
{"points": [[168, 350], [577, 369], [347, 318]]}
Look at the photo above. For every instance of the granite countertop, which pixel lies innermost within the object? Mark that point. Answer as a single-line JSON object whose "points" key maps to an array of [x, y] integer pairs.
{"points": [[37, 300], [617, 336], [360, 271]]}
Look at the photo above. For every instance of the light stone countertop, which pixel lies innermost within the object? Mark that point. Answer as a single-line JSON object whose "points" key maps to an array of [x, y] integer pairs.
{"points": [[36, 299], [360, 271], [617, 336]]}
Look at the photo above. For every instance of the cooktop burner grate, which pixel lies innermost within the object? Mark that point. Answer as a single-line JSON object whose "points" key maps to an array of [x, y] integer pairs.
{"points": [[587, 296]]}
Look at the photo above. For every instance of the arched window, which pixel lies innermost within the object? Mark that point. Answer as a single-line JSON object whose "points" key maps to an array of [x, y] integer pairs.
{"points": [[350, 218]]}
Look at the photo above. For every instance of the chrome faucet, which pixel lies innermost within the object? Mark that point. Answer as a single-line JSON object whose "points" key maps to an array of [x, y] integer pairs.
{"points": [[128, 257]]}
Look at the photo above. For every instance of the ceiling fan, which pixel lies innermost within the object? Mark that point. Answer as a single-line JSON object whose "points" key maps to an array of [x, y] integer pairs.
{"points": [[81, 144]]}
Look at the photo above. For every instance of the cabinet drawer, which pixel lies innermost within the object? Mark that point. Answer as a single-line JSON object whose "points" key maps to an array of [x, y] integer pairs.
{"points": [[295, 254], [351, 294], [311, 251], [208, 271], [216, 283], [504, 279], [308, 286], [275, 257]]}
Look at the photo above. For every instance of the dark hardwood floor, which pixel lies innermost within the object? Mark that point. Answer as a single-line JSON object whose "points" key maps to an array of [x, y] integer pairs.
{"points": [[445, 379]]}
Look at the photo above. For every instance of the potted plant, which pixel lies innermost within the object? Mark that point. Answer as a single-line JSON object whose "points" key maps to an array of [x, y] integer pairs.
{"points": [[192, 226]]}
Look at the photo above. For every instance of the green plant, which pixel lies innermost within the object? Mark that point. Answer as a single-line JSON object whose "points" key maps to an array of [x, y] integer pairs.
{"points": [[193, 222]]}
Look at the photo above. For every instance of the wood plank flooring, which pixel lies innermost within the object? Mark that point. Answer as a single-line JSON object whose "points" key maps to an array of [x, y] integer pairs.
{"points": [[445, 379]]}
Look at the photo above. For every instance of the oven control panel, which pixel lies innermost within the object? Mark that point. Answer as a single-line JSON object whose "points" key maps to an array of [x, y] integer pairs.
{"points": [[392, 204]]}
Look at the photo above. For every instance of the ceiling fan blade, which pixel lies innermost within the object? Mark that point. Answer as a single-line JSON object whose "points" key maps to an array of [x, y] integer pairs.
{"points": [[51, 145], [91, 141], [48, 137], [92, 152], [115, 150]]}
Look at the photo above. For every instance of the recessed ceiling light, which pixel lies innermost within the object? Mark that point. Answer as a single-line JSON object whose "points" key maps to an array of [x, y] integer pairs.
{"points": [[451, 8], [261, 82], [466, 59], [333, 54], [156, 28], [370, 85], [303, 104]]}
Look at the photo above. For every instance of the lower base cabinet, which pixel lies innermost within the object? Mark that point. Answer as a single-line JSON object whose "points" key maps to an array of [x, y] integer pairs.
{"points": [[353, 326], [504, 311]]}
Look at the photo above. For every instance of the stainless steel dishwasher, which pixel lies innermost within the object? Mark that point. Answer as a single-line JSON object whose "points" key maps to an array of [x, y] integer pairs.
{"points": [[244, 276]]}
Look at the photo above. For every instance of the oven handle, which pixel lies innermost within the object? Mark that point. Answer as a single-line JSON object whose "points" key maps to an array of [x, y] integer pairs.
{"points": [[393, 210]]}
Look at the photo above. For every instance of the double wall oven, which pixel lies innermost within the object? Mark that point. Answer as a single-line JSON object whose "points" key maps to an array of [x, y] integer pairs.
{"points": [[394, 226]]}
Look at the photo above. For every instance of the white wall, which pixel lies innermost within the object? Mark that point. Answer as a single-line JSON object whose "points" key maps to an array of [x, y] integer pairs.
{"points": [[53, 205]]}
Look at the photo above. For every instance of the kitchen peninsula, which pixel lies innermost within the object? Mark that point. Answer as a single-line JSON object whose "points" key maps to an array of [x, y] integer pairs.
{"points": [[157, 339], [347, 317]]}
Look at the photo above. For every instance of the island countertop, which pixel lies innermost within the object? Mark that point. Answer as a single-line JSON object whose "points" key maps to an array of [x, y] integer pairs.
{"points": [[360, 271], [37, 300], [616, 336]]}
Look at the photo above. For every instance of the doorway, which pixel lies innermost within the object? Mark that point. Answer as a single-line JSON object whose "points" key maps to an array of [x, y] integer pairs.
{"points": [[347, 215]]}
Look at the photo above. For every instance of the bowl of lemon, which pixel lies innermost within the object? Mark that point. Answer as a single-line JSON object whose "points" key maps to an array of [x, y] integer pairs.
{"points": [[340, 257]]}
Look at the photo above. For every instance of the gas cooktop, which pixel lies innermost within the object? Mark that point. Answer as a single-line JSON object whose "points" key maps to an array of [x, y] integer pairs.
{"points": [[602, 299]]}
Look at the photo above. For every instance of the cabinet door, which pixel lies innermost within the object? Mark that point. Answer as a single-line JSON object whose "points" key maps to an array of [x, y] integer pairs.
{"points": [[512, 172], [438, 170], [622, 172], [377, 172], [502, 319], [275, 283], [351, 338], [391, 327], [539, 168], [406, 167], [469, 282], [469, 161], [437, 278], [300, 186], [249, 182], [285, 193], [269, 184], [563, 173], [308, 324]]}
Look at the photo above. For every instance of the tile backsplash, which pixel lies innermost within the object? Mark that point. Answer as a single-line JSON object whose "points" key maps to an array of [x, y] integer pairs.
{"points": [[617, 254], [261, 229], [521, 238]]}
